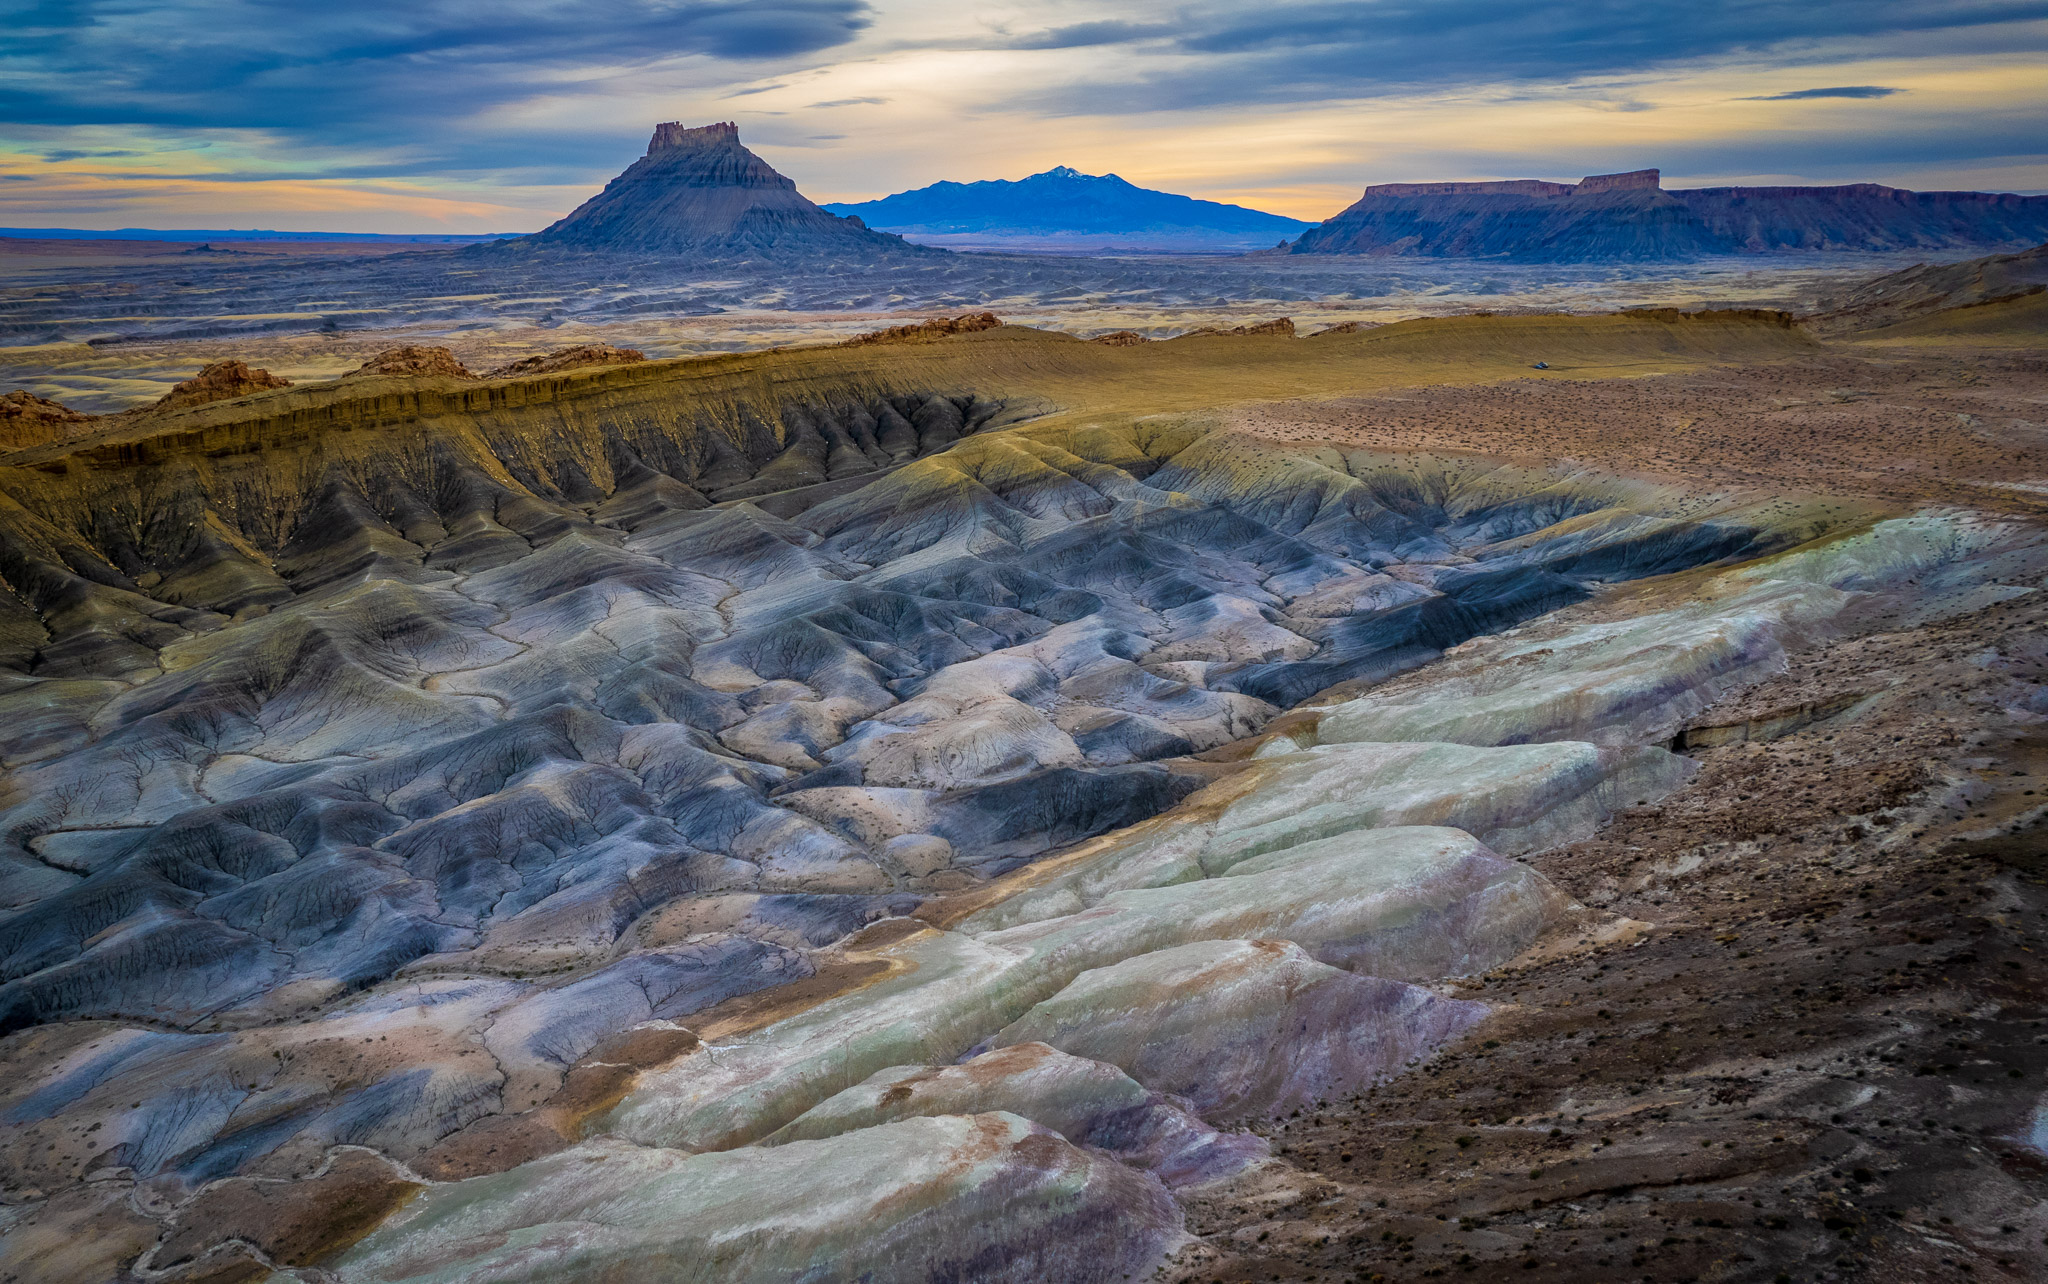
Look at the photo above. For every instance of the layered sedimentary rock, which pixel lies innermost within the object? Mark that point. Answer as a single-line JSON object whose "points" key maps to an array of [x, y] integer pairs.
{"points": [[1202, 1020], [698, 191], [927, 331], [29, 420], [412, 361], [983, 1196], [220, 381], [797, 814], [578, 357], [1630, 216], [1089, 1102]]}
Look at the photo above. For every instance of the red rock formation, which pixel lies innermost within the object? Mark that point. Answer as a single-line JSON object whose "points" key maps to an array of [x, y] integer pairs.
{"points": [[587, 354], [29, 420], [926, 331], [1279, 325], [219, 381], [1120, 339], [413, 361]]}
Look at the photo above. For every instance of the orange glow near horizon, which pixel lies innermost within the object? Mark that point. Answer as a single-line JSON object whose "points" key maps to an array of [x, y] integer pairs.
{"points": [[891, 117]]}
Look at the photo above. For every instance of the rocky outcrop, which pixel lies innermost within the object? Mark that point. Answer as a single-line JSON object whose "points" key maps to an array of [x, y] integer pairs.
{"points": [[927, 331], [1120, 339], [1282, 326], [581, 356], [220, 381], [412, 362], [1635, 180], [698, 191], [1629, 216], [29, 420]]}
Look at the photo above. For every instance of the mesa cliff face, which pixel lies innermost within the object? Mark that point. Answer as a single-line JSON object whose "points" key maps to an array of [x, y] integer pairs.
{"points": [[1630, 217], [699, 191]]}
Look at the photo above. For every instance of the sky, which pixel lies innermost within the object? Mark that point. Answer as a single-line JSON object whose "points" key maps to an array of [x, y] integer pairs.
{"points": [[455, 116]]}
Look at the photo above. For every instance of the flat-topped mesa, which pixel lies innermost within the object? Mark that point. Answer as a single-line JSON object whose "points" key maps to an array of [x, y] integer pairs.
{"points": [[1631, 216], [699, 191], [1501, 187], [1633, 180]]}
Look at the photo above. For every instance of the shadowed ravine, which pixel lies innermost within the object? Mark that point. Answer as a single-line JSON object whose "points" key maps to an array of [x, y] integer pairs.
{"points": [[591, 816]]}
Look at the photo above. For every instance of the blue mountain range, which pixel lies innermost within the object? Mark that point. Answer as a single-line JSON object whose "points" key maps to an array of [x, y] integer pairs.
{"points": [[1063, 205]]}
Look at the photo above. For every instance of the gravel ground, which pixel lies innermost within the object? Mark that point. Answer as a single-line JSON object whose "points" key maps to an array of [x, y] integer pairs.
{"points": [[1812, 1047]]}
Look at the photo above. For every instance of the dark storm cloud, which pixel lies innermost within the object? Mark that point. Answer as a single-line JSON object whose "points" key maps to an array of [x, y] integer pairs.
{"points": [[1304, 50], [365, 71], [1836, 91]]}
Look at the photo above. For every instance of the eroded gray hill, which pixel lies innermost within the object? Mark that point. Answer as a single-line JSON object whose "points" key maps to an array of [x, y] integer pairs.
{"points": [[534, 785], [459, 698]]}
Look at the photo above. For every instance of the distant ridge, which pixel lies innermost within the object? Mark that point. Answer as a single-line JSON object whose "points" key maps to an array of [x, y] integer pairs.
{"points": [[1631, 217], [699, 191], [1937, 287], [1062, 203], [252, 234]]}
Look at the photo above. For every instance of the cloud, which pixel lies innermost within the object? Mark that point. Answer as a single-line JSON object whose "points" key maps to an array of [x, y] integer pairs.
{"points": [[369, 70], [1084, 35], [1221, 52], [1836, 91], [527, 104]]}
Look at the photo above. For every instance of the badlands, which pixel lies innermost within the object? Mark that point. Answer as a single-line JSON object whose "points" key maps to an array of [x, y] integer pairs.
{"points": [[1540, 796]]}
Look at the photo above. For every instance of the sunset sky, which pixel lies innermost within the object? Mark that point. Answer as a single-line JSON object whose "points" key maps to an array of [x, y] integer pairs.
{"points": [[449, 116]]}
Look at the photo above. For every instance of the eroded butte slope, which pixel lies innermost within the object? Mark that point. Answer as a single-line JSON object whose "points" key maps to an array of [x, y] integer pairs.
{"points": [[829, 814]]}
